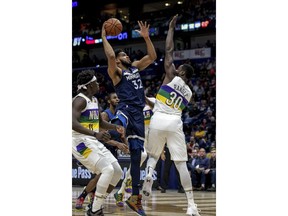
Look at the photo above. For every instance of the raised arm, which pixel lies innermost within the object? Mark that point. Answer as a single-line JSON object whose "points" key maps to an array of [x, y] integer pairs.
{"points": [[169, 48], [151, 53], [113, 71]]}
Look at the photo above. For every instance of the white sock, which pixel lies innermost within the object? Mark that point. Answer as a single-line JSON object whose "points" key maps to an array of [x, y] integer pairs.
{"points": [[151, 164], [190, 199], [98, 202], [123, 185]]}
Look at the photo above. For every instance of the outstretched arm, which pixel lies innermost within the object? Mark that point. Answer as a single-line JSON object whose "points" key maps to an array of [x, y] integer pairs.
{"points": [[169, 48], [151, 53], [113, 71]]}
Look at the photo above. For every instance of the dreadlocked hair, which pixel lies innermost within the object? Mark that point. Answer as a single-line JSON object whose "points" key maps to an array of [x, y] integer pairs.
{"points": [[85, 76]]}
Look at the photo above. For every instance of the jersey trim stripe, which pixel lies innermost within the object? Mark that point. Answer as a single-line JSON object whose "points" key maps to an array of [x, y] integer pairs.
{"points": [[164, 94], [135, 136]]}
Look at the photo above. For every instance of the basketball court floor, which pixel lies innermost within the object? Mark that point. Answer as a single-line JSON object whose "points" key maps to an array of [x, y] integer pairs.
{"points": [[170, 203]]}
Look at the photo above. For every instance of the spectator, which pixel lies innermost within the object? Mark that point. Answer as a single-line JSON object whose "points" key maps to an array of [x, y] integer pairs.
{"points": [[192, 161], [201, 170], [212, 170]]}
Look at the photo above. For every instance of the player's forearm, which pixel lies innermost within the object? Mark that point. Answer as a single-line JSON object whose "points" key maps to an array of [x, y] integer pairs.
{"points": [[80, 129], [169, 46], [109, 52], [107, 126], [113, 143], [150, 49]]}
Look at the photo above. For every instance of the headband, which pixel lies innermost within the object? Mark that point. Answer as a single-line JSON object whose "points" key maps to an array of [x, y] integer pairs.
{"points": [[84, 85]]}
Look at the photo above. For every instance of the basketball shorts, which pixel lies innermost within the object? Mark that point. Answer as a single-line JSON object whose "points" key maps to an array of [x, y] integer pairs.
{"points": [[89, 151], [165, 128], [133, 120]]}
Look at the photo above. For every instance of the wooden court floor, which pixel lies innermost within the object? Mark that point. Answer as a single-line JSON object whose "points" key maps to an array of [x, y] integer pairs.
{"points": [[170, 203]]}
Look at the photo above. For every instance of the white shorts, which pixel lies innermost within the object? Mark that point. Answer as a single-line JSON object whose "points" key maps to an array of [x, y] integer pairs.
{"points": [[89, 151], [168, 129]]}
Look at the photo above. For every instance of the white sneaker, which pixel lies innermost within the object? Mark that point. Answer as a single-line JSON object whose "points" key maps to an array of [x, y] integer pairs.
{"points": [[147, 188], [192, 210]]}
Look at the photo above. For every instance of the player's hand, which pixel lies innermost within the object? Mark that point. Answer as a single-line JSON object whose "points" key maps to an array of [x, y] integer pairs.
{"points": [[103, 135], [103, 31], [173, 22], [144, 29], [123, 147], [121, 130]]}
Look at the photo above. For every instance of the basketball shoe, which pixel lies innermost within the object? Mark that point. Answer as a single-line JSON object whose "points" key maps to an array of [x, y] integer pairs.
{"points": [[147, 187], [134, 202]]}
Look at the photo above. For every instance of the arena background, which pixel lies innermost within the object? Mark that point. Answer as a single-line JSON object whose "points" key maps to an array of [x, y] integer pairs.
{"points": [[195, 44], [36, 60]]}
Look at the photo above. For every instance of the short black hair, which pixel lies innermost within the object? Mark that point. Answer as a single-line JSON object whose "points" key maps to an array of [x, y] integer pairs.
{"points": [[117, 51], [189, 70], [110, 95], [85, 76]]}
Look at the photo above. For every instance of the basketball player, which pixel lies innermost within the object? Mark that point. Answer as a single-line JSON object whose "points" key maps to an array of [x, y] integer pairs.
{"points": [[147, 112], [166, 125], [111, 145], [129, 88], [86, 146]]}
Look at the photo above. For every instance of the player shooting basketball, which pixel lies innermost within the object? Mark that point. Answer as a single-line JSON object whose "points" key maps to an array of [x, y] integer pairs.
{"points": [[129, 88]]}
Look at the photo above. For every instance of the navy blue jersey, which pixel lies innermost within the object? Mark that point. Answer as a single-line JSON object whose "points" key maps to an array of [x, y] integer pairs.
{"points": [[114, 135], [110, 114], [130, 89]]}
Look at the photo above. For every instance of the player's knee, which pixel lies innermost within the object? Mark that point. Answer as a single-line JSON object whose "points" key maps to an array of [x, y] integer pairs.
{"points": [[109, 170], [117, 171]]}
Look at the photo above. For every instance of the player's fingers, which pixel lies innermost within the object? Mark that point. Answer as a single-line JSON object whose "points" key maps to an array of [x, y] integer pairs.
{"points": [[139, 24]]}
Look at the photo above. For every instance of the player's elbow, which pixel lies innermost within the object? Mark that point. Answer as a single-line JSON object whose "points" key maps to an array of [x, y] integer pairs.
{"points": [[152, 57]]}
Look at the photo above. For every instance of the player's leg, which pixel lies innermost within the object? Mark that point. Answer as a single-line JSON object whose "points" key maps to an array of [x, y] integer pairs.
{"points": [[121, 119], [178, 151], [156, 141], [91, 154], [87, 189], [127, 182], [107, 170]]}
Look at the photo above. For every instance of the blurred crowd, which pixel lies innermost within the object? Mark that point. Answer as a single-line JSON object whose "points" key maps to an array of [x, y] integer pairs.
{"points": [[189, 11]]}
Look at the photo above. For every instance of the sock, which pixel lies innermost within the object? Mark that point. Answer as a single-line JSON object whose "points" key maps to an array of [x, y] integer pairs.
{"points": [[83, 194], [122, 188], [151, 164], [190, 197], [98, 202], [150, 171]]}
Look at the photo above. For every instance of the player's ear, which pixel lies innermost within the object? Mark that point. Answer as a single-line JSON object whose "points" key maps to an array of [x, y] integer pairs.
{"points": [[181, 73], [117, 61]]}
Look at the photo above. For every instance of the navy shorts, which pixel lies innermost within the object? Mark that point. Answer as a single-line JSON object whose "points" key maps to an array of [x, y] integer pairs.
{"points": [[133, 120]]}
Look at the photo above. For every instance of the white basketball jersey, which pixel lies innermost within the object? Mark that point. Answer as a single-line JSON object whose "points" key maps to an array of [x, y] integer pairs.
{"points": [[173, 97], [89, 115]]}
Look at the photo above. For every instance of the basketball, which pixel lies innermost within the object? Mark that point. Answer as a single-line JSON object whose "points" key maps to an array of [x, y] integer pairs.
{"points": [[113, 27]]}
